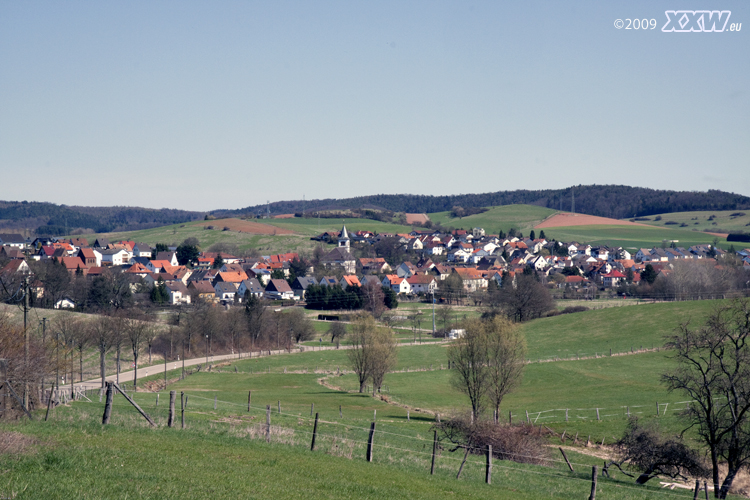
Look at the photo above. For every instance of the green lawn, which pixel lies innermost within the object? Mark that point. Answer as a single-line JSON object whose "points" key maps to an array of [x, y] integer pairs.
{"points": [[617, 328], [723, 220], [520, 217], [632, 237]]}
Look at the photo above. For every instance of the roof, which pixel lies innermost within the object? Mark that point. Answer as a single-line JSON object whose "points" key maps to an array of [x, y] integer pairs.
{"points": [[232, 277], [278, 285], [201, 287], [302, 282], [420, 279], [351, 280]]}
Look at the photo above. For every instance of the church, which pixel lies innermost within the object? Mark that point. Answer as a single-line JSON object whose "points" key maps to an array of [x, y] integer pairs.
{"points": [[341, 256]]}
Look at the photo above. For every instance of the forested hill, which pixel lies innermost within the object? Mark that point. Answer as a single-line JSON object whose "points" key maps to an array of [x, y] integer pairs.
{"points": [[49, 219], [606, 201]]}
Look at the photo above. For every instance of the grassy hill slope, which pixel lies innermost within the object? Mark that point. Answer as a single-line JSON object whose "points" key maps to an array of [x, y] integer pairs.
{"points": [[520, 217], [720, 220]]}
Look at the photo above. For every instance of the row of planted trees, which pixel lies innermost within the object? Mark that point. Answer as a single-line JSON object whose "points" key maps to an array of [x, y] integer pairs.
{"points": [[73, 347]]}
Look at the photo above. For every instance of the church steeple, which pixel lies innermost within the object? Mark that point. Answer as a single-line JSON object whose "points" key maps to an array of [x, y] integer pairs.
{"points": [[344, 238]]}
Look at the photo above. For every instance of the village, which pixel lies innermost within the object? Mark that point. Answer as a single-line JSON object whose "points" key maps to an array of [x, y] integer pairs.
{"points": [[431, 264]]}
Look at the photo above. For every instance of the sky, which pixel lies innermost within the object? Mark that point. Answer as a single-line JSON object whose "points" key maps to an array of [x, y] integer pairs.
{"points": [[222, 104]]}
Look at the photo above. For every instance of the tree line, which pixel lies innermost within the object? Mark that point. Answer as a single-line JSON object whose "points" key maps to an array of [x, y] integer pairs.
{"points": [[614, 201]]}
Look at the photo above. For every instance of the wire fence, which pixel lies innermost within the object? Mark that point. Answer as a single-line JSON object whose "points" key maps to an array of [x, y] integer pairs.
{"points": [[406, 446]]}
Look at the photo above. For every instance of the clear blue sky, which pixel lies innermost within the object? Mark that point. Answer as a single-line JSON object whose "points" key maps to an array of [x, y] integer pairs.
{"points": [[206, 105]]}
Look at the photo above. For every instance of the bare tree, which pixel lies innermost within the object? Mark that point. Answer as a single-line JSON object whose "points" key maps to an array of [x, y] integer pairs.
{"points": [[383, 355], [255, 311], [654, 455], [137, 330], [337, 331], [713, 370], [527, 300], [373, 299], [444, 313], [468, 360], [101, 335], [487, 362], [361, 331], [506, 352]]}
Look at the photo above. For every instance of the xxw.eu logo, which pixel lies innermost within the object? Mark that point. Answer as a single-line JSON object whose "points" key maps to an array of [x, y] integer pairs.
{"points": [[697, 20]]}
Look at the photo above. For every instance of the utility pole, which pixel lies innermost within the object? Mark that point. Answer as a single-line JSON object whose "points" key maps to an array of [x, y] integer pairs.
{"points": [[26, 343], [433, 312]]}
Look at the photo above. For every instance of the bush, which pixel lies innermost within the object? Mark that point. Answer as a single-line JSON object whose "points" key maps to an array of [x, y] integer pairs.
{"points": [[519, 443]]}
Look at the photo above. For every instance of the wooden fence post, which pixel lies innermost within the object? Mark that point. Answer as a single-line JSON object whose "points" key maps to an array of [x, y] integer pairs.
{"points": [[369, 442], [341, 415], [268, 423], [466, 454], [488, 467], [705, 488], [215, 398], [697, 489], [157, 400], [172, 397], [434, 450], [278, 403], [566, 459], [312, 408], [182, 407], [249, 400], [108, 404], [130, 400], [315, 433], [594, 472]]}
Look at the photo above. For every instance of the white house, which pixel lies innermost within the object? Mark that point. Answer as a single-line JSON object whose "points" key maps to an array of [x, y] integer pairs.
{"points": [[398, 285], [114, 257]]}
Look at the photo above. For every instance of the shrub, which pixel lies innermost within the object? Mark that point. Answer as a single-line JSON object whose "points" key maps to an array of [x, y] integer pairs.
{"points": [[519, 443]]}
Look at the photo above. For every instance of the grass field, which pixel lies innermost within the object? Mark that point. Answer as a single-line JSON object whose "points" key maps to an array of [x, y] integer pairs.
{"points": [[266, 244], [629, 237], [520, 217], [723, 220], [223, 453]]}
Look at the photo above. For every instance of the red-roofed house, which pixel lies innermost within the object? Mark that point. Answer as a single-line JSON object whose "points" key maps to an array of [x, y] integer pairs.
{"points": [[612, 278]]}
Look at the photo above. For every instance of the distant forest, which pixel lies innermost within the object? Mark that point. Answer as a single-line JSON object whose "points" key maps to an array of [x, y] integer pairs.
{"points": [[48, 219], [617, 202]]}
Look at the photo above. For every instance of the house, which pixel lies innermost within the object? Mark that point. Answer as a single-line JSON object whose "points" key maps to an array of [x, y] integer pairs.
{"points": [[612, 279], [231, 277], [477, 232], [422, 283], [178, 293], [73, 265], [142, 250], [114, 257], [279, 290], [15, 266], [225, 292], [473, 279], [202, 290], [406, 269], [250, 286], [90, 257], [12, 240], [170, 257], [328, 281], [397, 284], [64, 304], [349, 280], [374, 266], [101, 243], [370, 280], [300, 285], [159, 266]]}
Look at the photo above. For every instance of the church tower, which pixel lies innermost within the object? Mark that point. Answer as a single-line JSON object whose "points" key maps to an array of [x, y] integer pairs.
{"points": [[344, 238]]}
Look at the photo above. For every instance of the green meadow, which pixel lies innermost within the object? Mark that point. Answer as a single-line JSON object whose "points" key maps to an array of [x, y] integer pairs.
{"points": [[629, 237], [521, 217], [717, 221]]}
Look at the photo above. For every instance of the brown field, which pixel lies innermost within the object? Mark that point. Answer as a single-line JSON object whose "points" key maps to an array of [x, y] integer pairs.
{"points": [[284, 216], [416, 218], [564, 220], [245, 226]]}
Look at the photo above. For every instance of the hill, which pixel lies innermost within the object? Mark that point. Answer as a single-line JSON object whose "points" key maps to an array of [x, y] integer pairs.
{"points": [[49, 219], [613, 201], [715, 221]]}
